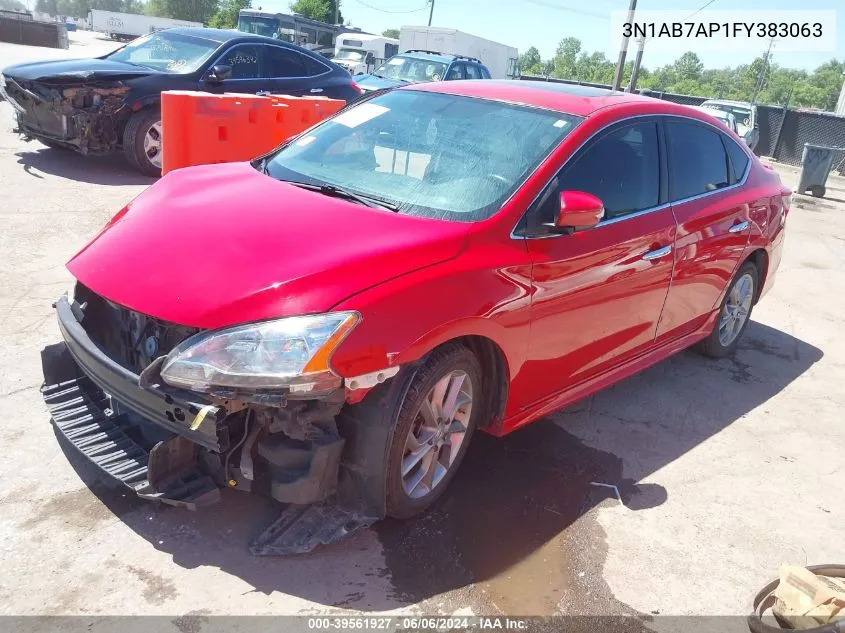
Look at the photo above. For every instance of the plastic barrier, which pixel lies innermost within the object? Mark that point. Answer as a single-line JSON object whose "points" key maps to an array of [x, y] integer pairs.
{"points": [[199, 128]]}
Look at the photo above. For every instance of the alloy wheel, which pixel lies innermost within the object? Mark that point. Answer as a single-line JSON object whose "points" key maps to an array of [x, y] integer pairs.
{"points": [[736, 310], [437, 433], [152, 144]]}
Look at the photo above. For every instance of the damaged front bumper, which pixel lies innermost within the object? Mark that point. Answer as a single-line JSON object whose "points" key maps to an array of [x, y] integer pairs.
{"points": [[87, 118], [180, 448]]}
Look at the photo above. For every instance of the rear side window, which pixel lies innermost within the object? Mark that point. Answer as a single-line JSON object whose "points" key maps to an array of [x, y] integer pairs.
{"points": [[472, 72], [739, 159], [622, 169], [281, 62], [697, 160], [455, 72]]}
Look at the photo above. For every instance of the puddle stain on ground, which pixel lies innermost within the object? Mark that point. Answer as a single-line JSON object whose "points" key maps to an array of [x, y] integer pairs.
{"points": [[81, 509], [511, 529]]}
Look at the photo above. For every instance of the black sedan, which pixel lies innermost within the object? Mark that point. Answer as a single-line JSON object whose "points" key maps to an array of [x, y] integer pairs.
{"points": [[101, 105]]}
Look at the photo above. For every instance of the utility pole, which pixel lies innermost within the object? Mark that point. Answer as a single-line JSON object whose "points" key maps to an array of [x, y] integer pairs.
{"points": [[620, 64], [336, 11], [431, 13], [761, 78], [632, 86]]}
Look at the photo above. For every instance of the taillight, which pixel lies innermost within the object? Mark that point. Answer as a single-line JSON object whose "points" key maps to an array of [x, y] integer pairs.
{"points": [[357, 88], [786, 198]]}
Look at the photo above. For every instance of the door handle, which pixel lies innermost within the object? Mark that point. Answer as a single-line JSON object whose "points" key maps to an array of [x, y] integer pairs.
{"points": [[736, 228], [657, 254], [315, 90]]}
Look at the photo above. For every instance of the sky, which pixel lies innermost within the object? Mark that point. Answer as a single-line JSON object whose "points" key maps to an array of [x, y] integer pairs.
{"points": [[543, 23]]}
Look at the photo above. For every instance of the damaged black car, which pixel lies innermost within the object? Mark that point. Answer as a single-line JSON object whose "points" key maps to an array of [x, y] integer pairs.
{"points": [[112, 103]]}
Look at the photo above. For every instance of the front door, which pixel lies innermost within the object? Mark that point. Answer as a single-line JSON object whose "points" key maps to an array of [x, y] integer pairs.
{"points": [[246, 77], [267, 68], [599, 292]]}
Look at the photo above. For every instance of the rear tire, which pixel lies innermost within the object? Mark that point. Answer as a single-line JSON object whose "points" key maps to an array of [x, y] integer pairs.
{"points": [[140, 136], [734, 314]]}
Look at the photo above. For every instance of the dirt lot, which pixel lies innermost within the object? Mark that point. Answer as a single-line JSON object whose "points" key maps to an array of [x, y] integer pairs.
{"points": [[727, 469]]}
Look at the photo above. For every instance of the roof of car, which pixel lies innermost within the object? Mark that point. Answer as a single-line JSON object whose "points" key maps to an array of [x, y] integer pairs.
{"points": [[220, 35], [434, 56], [569, 98], [742, 104]]}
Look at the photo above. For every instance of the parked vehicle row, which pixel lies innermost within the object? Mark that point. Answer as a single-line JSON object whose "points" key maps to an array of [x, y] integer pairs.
{"points": [[435, 260], [111, 103]]}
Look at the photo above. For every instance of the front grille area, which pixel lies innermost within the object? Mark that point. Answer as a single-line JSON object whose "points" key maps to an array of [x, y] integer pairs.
{"points": [[130, 338]]}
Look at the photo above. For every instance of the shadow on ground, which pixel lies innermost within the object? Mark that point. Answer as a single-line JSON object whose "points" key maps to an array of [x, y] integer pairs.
{"points": [[512, 531], [65, 163]]}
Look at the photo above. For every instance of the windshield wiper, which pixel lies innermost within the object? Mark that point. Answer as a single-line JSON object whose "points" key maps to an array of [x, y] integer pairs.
{"points": [[339, 192]]}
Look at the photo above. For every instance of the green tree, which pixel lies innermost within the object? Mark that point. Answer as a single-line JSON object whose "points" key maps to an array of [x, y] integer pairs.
{"points": [[566, 58], [394, 33], [531, 63], [322, 10], [688, 66], [12, 5], [227, 15], [191, 10]]}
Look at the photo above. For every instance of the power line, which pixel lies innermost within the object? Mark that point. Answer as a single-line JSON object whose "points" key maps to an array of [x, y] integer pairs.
{"points": [[568, 9], [369, 6]]}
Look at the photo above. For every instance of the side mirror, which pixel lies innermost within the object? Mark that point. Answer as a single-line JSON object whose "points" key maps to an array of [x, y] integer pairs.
{"points": [[578, 210], [218, 73]]}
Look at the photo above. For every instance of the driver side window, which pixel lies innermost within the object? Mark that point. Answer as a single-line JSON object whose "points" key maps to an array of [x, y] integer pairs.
{"points": [[621, 168]]}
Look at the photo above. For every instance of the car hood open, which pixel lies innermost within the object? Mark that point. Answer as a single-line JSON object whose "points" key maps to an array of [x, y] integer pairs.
{"points": [[67, 71], [224, 244]]}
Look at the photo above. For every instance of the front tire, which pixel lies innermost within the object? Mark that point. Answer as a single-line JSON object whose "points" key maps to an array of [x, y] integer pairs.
{"points": [[734, 313], [434, 425], [142, 141]]}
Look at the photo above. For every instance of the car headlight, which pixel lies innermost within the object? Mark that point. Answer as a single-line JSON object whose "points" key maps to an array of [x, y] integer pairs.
{"points": [[289, 354]]}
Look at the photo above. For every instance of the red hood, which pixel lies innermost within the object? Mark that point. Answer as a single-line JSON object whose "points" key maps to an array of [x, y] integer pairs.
{"points": [[223, 244]]}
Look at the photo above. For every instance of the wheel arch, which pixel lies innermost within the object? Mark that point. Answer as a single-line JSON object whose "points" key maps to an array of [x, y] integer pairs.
{"points": [[760, 258]]}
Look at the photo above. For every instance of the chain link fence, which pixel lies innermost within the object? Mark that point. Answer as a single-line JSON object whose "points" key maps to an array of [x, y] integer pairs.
{"points": [[783, 131]]}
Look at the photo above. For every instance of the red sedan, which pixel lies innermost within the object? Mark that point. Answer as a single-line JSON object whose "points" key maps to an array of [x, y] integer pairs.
{"points": [[330, 324]]}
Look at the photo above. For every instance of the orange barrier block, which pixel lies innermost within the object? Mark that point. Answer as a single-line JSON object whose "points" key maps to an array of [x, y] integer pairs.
{"points": [[199, 128]]}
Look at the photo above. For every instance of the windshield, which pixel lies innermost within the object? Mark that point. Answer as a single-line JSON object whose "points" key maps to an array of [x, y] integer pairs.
{"points": [[741, 115], [350, 54], [411, 69], [170, 52], [268, 27], [428, 154]]}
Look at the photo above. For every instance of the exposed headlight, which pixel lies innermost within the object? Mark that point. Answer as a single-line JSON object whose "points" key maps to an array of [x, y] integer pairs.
{"points": [[290, 354]]}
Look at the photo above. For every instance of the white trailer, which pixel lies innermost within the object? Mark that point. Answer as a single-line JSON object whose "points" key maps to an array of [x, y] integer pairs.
{"points": [[500, 59], [131, 25], [360, 53]]}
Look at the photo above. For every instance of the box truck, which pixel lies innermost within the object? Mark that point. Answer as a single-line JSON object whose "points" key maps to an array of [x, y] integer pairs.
{"points": [[500, 59], [360, 53], [128, 26]]}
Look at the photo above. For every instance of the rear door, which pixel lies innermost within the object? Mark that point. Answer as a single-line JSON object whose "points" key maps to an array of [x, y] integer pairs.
{"points": [[599, 292], [707, 170], [289, 72], [473, 71]]}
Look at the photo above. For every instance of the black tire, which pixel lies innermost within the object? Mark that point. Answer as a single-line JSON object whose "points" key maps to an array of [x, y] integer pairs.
{"points": [[377, 429], [712, 346], [133, 140]]}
